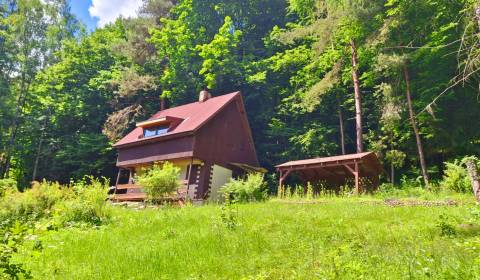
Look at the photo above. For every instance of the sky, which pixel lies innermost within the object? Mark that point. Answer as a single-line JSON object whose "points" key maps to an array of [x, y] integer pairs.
{"points": [[98, 13]]}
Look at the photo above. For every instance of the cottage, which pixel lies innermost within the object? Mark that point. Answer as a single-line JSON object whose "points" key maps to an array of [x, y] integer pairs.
{"points": [[210, 140]]}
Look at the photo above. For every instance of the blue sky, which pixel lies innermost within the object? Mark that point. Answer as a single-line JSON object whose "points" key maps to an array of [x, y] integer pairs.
{"points": [[97, 13], [80, 9]]}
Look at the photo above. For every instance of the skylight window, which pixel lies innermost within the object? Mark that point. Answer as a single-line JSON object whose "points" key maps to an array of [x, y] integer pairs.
{"points": [[155, 130]]}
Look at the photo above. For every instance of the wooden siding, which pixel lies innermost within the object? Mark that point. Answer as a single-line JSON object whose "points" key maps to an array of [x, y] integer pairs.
{"points": [[169, 149], [226, 138]]}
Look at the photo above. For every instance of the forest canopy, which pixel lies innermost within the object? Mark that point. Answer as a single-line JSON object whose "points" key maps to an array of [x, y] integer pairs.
{"points": [[305, 68]]}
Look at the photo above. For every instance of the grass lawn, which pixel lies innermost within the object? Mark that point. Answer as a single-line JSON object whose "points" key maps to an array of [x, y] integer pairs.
{"points": [[333, 238]]}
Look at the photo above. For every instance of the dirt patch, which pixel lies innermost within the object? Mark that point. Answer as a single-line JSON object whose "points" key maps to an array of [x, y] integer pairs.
{"points": [[389, 202], [425, 203]]}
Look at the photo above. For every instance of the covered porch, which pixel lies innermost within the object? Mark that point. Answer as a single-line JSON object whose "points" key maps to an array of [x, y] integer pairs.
{"points": [[126, 189]]}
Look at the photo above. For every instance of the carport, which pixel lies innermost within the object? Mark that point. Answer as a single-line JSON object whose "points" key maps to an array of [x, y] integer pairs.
{"points": [[335, 170]]}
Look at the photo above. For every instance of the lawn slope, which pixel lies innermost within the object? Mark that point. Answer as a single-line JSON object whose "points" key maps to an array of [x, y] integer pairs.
{"points": [[327, 239]]}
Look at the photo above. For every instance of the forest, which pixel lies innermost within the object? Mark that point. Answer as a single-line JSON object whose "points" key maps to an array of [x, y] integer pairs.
{"points": [[318, 77]]}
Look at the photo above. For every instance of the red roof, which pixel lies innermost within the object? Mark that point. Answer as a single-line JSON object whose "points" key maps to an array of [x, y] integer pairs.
{"points": [[324, 159], [194, 115], [370, 161]]}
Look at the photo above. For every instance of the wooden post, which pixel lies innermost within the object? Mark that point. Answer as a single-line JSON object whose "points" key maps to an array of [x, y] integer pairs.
{"points": [[118, 180], [282, 177], [189, 174], [356, 173], [118, 177], [130, 179]]}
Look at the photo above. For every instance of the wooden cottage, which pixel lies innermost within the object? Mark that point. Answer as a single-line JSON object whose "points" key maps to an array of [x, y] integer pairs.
{"points": [[210, 140]]}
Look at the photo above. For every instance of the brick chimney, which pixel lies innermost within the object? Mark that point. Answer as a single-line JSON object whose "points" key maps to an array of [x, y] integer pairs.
{"points": [[204, 96]]}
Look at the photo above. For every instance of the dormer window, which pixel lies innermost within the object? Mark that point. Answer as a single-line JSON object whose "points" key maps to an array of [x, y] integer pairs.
{"points": [[155, 130], [158, 126]]}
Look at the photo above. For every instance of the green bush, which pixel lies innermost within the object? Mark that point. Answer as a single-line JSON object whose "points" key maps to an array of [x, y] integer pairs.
{"points": [[79, 202], [33, 203], [87, 205], [12, 239], [252, 188], [7, 185], [456, 178], [160, 180]]}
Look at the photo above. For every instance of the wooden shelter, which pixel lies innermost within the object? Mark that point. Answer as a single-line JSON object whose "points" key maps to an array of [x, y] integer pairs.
{"points": [[335, 170], [210, 140]]}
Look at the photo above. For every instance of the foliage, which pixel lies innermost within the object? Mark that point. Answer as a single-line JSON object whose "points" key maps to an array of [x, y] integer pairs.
{"points": [[229, 213], [6, 185], [12, 238], [252, 188], [32, 204], [456, 178], [160, 180], [87, 206], [46, 205], [66, 96], [78, 202]]}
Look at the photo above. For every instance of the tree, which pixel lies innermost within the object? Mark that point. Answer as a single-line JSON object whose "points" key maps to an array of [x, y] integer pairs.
{"points": [[340, 24], [34, 30]]}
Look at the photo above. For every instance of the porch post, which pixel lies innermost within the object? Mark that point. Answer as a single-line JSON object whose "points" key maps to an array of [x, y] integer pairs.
{"points": [[130, 173], [282, 177], [188, 176], [118, 177], [357, 179], [280, 180], [356, 173]]}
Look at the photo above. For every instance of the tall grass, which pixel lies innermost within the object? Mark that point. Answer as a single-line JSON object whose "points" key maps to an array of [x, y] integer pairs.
{"points": [[281, 239]]}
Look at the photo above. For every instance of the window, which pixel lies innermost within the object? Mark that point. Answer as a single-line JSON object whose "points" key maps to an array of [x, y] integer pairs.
{"points": [[156, 130]]}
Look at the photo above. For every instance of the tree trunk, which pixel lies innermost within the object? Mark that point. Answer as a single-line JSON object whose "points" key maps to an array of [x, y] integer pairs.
{"points": [[16, 121], [474, 177], [358, 98], [39, 149], [340, 121], [413, 122], [162, 104], [392, 174]]}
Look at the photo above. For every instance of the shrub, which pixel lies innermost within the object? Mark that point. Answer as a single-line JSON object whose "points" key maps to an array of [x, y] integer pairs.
{"points": [[6, 185], [252, 188], [87, 206], [32, 204], [456, 178], [12, 239], [159, 181], [79, 202]]}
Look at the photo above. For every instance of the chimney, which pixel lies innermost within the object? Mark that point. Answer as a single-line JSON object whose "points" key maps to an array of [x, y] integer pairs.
{"points": [[204, 96]]}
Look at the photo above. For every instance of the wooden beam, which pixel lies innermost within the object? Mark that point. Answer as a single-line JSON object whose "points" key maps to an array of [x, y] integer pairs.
{"points": [[282, 177], [318, 165], [356, 174]]}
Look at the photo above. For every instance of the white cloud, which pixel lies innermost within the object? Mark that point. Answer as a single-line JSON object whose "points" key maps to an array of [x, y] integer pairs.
{"points": [[109, 10]]}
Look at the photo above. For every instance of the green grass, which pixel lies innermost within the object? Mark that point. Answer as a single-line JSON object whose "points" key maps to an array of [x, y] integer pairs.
{"points": [[333, 238]]}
